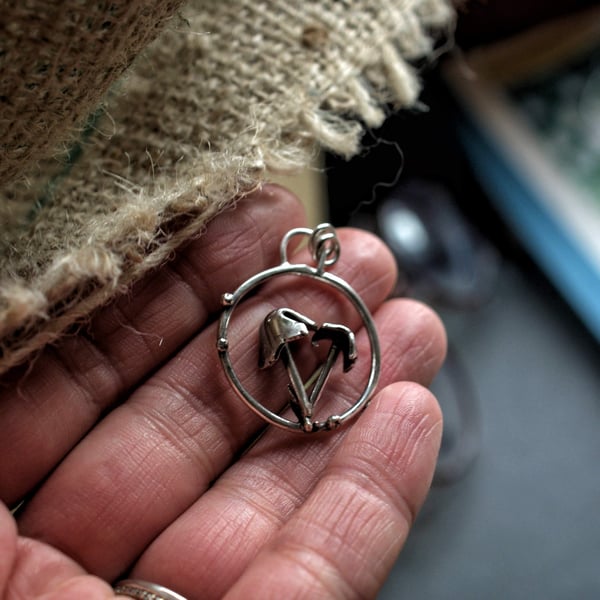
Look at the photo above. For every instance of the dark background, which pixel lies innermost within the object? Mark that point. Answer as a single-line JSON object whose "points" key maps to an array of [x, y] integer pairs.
{"points": [[518, 517]]}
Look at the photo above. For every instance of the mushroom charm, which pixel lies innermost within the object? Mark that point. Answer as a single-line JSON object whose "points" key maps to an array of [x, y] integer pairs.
{"points": [[283, 326]]}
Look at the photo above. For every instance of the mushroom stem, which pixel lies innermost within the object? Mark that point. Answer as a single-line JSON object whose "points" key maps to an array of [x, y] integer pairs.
{"points": [[297, 386]]}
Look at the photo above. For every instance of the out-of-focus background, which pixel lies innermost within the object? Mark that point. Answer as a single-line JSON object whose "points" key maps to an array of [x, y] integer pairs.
{"points": [[489, 195]]}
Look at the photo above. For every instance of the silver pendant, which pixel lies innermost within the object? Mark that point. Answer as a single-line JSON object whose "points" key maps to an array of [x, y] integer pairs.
{"points": [[282, 326]]}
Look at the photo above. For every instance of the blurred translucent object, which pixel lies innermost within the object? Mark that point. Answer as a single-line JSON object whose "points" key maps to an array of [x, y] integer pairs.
{"points": [[441, 257]]}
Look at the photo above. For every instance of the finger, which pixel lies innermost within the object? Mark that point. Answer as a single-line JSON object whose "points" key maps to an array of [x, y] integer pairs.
{"points": [[258, 494], [29, 569], [344, 539], [8, 547], [43, 414], [155, 455]]}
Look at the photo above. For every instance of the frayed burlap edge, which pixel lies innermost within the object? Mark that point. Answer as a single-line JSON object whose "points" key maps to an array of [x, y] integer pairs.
{"points": [[149, 222]]}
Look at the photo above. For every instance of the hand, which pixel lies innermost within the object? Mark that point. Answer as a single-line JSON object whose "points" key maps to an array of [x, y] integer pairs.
{"points": [[130, 443]]}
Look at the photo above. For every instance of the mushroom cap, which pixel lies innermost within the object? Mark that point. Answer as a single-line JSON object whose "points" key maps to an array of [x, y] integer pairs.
{"points": [[342, 338], [280, 327]]}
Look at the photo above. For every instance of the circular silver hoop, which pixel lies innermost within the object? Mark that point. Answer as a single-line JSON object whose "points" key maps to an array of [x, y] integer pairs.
{"points": [[231, 300]]}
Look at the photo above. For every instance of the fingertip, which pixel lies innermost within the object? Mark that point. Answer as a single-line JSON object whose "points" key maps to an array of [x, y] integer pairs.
{"points": [[433, 327], [416, 406], [372, 259], [262, 213], [413, 339], [405, 422], [372, 244], [8, 545], [274, 192]]}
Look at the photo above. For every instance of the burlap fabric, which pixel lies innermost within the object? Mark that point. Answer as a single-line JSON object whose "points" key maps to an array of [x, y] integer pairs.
{"points": [[107, 166]]}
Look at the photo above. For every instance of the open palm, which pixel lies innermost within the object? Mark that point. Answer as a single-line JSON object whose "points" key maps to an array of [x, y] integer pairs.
{"points": [[137, 458]]}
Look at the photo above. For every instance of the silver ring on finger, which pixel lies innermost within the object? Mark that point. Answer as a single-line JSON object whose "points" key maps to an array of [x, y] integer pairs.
{"points": [[145, 590]]}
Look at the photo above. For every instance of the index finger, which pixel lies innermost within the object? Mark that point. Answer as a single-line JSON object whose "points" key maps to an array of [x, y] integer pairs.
{"points": [[46, 411]]}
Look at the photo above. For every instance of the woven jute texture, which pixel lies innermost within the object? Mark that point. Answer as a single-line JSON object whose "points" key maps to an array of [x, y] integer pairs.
{"points": [[126, 125]]}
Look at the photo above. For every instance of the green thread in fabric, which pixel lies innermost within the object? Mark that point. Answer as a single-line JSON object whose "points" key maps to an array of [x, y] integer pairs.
{"points": [[73, 155]]}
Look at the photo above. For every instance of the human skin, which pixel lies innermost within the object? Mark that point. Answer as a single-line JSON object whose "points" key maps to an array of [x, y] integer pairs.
{"points": [[135, 455]]}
